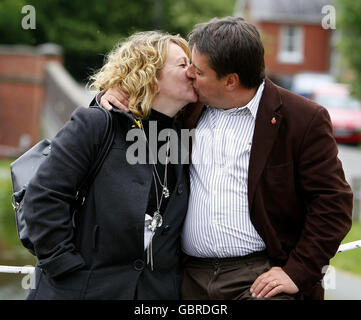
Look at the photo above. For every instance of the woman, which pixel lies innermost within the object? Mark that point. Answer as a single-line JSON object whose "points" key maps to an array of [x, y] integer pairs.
{"points": [[125, 243]]}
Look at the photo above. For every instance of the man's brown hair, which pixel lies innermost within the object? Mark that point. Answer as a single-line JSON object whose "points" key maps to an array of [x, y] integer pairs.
{"points": [[232, 45]]}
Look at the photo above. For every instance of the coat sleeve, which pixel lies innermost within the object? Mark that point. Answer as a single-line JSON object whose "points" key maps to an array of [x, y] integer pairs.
{"points": [[328, 199], [50, 193]]}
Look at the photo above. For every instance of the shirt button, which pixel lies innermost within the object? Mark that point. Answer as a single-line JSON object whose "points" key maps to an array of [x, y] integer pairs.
{"points": [[138, 265]]}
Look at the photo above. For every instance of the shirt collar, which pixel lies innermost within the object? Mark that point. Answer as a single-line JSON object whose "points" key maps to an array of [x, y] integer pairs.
{"points": [[251, 106], [254, 103]]}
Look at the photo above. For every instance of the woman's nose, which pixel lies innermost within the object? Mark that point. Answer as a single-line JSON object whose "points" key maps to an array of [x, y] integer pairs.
{"points": [[190, 72]]}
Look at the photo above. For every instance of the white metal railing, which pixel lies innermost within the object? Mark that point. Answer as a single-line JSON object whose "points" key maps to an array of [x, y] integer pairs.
{"points": [[30, 270], [15, 269]]}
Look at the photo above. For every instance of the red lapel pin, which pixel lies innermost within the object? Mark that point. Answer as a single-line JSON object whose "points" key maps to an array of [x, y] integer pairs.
{"points": [[273, 121]]}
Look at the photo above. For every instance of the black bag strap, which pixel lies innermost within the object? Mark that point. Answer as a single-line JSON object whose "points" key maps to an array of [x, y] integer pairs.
{"points": [[103, 152]]}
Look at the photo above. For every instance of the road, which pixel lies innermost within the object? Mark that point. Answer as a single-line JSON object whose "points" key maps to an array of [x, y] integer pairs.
{"points": [[351, 160]]}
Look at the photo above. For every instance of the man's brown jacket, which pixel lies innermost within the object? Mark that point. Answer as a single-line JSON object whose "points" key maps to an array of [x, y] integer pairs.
{"points": [[299, 200]]}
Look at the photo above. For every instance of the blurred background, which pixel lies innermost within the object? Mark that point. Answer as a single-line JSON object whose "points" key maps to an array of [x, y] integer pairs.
{"points": [[48, 49]]}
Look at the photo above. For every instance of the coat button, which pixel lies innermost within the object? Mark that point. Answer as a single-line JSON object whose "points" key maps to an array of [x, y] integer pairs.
{"points": [[138, 265], [139, 182], [180, 188]]}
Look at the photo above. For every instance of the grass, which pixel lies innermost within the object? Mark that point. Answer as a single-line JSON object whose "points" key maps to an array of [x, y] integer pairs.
{"points": [[350, 260], [11, 250], [8, 234]]}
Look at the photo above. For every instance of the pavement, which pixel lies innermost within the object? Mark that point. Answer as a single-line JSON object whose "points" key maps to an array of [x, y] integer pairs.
{"points": [[351, 160], [342, 285]]}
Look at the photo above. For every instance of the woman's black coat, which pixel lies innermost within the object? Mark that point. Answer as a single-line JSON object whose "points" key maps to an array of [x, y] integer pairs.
{"points": [[103, 257]]}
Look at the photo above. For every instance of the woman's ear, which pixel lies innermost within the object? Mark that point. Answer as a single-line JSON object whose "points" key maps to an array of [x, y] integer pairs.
{"points": [[159, 77]]}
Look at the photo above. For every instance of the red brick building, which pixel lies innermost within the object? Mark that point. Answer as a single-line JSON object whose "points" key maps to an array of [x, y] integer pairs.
{"points": [[22, 71], [292, 33]]}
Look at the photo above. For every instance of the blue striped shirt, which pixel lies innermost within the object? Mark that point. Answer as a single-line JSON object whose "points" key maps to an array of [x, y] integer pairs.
{"points": [[218, 222]]}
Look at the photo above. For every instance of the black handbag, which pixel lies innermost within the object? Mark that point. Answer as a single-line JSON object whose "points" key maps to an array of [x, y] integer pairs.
{"points": [[25, 167]]}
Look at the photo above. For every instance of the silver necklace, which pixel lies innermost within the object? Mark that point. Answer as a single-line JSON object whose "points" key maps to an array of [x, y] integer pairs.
{"points": [[165, 190], [157, 219]]}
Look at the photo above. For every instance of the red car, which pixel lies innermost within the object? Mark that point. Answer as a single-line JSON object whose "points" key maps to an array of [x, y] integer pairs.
{"points": [[344, 110]]}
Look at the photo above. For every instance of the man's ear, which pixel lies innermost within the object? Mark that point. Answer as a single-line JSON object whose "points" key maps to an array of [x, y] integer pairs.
{"points": [[231, 81]]}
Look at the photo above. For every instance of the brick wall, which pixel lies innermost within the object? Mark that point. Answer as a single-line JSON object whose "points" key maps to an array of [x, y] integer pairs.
{"points": [[22, 71], [316, 50]]}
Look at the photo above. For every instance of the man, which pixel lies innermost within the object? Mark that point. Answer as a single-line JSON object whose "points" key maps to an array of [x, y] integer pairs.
{"points": [[270, 206]]}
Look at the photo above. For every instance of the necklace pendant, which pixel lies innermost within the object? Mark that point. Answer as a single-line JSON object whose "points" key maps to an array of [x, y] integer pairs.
{"points": [[157, 217], [156, 222], [166, 192]]}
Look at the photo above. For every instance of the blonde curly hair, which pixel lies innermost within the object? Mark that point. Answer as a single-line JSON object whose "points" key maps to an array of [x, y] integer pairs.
{"points": [[134, 65]]}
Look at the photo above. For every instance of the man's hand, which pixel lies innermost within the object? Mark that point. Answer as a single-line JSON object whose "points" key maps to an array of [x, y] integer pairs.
{"points": [[116, 97], [273, 282]]}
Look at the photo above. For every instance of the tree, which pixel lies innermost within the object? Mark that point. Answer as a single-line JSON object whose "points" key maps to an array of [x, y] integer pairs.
{"points": [[10, 23], [182, 15], [349, 24], [87, 29]]}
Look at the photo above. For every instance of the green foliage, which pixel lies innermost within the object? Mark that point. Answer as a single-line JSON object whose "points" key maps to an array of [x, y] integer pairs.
{"points": [[10, 23], [348, 14], [183, 15], [8, 234], [11, 250], [350, 260], [87, 29]]}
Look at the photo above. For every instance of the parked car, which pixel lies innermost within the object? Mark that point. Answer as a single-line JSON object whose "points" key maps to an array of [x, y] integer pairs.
{"points": [[304, 83], [344, 110]]}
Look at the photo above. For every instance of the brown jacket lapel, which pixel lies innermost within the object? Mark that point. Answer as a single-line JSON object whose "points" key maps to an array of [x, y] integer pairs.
{"points": [[265, 133]]}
